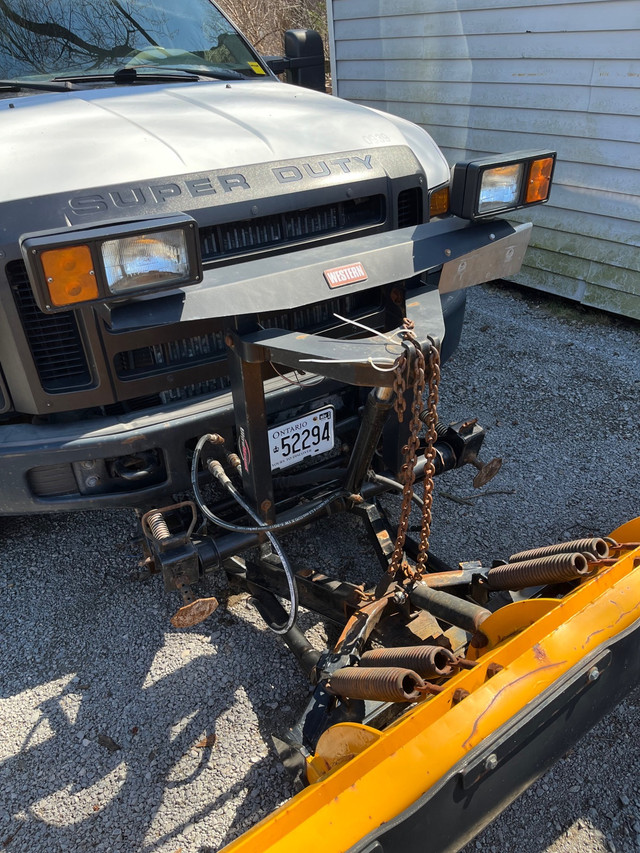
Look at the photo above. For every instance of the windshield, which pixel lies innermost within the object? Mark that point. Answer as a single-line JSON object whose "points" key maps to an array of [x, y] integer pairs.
{"points": [[44, 39]]}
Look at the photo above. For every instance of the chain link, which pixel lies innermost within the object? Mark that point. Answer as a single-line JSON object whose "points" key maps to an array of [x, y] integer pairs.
{"points": [[426, 373], [430, 421], [400, 386]]}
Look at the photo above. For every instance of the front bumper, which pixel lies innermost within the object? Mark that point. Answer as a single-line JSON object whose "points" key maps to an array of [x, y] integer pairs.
{"points": [[77, 460], [80, 464]]}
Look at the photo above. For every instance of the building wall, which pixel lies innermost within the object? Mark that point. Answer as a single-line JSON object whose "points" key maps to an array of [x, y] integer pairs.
{"points": [[490, 76]]}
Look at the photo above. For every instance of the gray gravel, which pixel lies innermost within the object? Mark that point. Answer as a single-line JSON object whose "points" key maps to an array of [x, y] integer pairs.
{"points": [[120, 733]]}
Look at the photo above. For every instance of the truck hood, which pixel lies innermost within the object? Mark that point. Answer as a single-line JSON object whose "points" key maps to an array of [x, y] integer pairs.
{"points": [[54, 143]]}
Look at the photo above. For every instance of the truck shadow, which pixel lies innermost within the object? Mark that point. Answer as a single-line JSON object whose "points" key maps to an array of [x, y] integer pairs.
{"points": [[118, 730]]}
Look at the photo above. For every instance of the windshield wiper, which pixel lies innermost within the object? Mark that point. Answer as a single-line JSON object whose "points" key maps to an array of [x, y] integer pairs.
{"points": [[16, 85], [130, 74], [213, 73], [127, 76]]}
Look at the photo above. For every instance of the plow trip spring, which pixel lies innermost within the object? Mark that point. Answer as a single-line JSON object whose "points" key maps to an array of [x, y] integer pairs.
{"points": [[448, 690]]}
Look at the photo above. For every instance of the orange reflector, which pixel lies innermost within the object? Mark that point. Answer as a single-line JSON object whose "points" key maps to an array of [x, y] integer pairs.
{"points": [[539, 180], [439, 202], [69, 275]]}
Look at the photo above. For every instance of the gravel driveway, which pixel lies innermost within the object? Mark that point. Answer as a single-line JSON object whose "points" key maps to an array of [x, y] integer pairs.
{"points": [[120, 733]]}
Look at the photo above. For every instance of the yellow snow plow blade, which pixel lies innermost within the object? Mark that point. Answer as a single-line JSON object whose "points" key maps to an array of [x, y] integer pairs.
{"points": [[435, 777]]}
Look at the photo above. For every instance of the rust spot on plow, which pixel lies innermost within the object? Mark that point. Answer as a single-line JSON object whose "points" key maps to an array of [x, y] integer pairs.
{"points": [[540, 653]]}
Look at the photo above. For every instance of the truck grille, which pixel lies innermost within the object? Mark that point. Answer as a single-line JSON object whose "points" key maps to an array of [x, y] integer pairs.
{"points": [[251, 235], [54, 339], [410, 207], [57, 346], [207, 387], [187, 352], [183, 353], [313, 318]]}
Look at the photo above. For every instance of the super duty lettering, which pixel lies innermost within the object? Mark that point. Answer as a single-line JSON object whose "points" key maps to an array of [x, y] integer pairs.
{"points": [[154, 194]]}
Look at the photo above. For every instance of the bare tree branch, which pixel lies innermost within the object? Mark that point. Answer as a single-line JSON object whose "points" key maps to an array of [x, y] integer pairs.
{"points": [[264, 21]]}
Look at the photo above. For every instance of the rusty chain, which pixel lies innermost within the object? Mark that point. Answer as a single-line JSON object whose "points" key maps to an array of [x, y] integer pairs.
{"points": [[430, 421], [426, 373]]}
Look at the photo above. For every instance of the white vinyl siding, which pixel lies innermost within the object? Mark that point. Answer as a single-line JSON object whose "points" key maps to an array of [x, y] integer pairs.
{"points": [[492, 76]]}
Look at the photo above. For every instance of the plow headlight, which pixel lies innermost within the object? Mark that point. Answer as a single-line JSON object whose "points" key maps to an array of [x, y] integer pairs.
{"points": [[499, 188], [496, 185], [96, 264], [146, 260]]}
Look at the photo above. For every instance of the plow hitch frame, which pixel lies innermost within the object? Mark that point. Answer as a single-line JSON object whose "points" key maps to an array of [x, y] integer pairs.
{"points": [[449, 689]]}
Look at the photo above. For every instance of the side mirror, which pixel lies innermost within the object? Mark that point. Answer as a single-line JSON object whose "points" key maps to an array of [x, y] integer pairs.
{"points": [[303, 62]]}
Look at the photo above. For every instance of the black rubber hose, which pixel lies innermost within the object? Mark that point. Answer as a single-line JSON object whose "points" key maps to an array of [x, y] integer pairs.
{"points": [[236, 528]]}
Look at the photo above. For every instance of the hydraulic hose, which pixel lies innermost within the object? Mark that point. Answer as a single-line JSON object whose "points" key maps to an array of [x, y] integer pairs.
{"points": [[235, 494], [288, 571], [263, 528], [398, 487], [267, 529]]}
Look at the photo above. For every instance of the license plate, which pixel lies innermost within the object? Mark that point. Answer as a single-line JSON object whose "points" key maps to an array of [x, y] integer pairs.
{"points": [[309, 435]]}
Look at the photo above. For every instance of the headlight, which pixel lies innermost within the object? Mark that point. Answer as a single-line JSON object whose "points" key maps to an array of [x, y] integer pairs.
{"points": [[146, 260], [96, 264], [500, 188], [494, 185]]}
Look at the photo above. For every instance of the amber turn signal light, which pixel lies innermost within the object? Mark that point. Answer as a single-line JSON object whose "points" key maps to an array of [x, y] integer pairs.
{"points": [[69, 275], [539, 181], [439, 202]]}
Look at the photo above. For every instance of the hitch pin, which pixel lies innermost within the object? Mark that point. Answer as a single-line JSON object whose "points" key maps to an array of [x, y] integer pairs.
{"points": [[464, 663], [428, 688]]}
